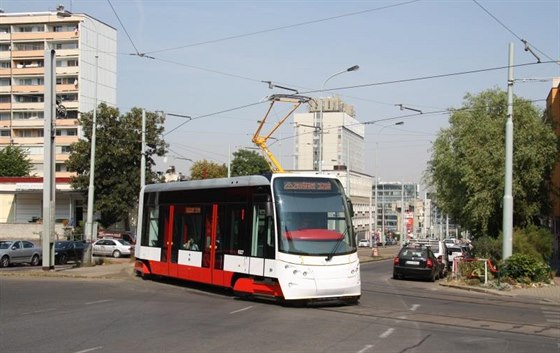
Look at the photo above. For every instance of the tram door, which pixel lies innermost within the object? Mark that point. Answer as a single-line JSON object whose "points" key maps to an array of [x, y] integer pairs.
{"points": [[192, 243]]}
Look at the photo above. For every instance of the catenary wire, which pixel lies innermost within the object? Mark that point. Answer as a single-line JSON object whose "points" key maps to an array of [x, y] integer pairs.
{"points": [[513, 33], [280, 28]]}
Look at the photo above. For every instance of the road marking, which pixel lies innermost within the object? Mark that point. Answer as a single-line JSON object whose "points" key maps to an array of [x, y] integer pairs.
{"points": [[240, 310], [37, 311], [414, 307], [366, 348], [90, 349], [99, 301], [387, 333]]}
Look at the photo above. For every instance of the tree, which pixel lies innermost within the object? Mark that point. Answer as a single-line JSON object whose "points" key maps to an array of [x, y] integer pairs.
{"points": [[246, 162], [14, 162], [467, 165], [207, 170], [117, 159]]}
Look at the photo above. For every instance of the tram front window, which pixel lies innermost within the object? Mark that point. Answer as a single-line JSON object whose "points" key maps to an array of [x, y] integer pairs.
{"points": [[313, 218]]}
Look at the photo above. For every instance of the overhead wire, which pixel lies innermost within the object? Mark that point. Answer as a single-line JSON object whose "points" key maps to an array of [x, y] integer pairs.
{"points": [[124, 29], [281, 27], [528, 45]]}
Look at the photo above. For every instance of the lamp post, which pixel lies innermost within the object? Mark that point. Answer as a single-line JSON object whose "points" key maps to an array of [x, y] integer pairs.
{"points": [[353, 68], [377, 178], [90, 228]]}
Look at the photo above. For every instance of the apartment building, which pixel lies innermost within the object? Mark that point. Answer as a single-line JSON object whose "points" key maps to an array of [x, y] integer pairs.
{"points": [[85, 74]]}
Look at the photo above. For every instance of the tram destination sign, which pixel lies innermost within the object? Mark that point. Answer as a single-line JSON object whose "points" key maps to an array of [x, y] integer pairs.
{"points": [[306, 185]]}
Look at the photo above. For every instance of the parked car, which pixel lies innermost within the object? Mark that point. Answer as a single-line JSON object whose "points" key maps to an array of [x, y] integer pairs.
{"points": [[19, 251], [417, 262], [117, 234], [457, 251], [112, 247], [363, 243], [68, 250]]}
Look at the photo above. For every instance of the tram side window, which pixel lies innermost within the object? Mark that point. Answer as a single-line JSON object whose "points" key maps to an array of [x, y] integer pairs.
{"points": [[262, 242], [188, 227], [233, 223], [152, 228]]}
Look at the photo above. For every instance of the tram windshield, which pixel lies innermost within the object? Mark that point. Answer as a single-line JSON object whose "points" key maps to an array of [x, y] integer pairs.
{"points": [[313, 217]]}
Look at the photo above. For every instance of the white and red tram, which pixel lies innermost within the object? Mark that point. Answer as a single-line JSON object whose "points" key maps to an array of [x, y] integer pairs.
{"points": [[285, 236]]}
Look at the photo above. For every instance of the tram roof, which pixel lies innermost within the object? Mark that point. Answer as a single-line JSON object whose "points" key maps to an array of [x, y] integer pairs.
{"points": [[251, 180]]}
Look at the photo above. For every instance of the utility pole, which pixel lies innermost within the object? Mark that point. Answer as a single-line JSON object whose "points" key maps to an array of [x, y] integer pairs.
{"points": [[49, 180], [143, 157], [507, 225]]}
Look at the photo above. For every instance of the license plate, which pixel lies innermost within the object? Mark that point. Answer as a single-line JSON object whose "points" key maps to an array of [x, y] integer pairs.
{"points": [[413, 262]]}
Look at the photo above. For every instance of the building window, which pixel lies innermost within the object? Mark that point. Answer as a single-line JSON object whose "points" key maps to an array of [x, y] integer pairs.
{"points": [[29, 115], [5, 133], [67, 132]]}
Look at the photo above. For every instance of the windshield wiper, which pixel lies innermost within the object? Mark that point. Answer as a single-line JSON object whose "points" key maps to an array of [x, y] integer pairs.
{"points": [[331, 254]]}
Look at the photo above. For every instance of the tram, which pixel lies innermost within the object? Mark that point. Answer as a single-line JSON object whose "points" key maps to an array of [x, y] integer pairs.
{"points": [[283, 236]]}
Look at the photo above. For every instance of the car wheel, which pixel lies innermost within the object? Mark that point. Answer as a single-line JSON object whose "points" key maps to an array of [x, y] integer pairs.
{"points": [[116, 254], [5, 262], [35, 260], [63, 259]]}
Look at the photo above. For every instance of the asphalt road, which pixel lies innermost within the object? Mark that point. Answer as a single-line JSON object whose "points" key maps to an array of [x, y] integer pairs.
{"points": [[132, 315]]}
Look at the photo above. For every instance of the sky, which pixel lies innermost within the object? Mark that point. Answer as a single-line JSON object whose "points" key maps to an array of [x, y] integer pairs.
{"points": [[209, 58]]}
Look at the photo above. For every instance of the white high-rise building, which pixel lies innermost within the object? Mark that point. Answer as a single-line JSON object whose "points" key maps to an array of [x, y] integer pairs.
{"points": [[86, 74], [342, 152]]}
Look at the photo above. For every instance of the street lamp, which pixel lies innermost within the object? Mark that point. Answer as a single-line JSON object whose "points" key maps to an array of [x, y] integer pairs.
{"points": [[89, 231], [377, 178], [353, 68]]}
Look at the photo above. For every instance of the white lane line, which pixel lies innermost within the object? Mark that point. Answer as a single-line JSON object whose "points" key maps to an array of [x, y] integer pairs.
{"points": [[90, 349], [387, 333], [100, 301], [365, 349], [240, 310], [553, 320], [37, 311], [414, 307]]}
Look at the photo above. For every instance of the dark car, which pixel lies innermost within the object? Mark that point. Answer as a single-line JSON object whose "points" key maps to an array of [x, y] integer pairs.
{"points": [[68, 250], [417, 262]]}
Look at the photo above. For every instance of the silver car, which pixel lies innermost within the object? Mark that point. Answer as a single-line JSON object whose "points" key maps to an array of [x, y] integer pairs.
{"points": [[112, 247], [19, 252]]}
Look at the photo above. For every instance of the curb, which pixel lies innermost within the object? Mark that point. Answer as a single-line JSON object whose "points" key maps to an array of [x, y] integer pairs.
{"points": [[477, 289]]}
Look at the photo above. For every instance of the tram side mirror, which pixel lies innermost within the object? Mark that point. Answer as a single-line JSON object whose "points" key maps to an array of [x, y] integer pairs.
{"points": [[350, 208]]}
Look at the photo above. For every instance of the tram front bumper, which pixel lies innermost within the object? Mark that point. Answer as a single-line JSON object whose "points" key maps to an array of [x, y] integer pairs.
{"points": [[321, 282]]}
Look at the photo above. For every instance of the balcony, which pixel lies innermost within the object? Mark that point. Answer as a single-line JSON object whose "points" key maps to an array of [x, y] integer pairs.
{"points": [[29, 89], [66, 122], [27, 71], [5, 89], [5, 106], [5, 55], [5, 140], [28, 53], [67, 70], [5, 36], [28, 123], [66, 140], [67, 52], [5, 123], [28, 140], [27, 106], [16, 36], [66, 88], [5, 72]]}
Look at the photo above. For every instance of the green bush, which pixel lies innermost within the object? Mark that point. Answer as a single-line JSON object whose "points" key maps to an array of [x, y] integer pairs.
{"points": [[472, 269], [534, 241], [526, 269], [488, 248]]}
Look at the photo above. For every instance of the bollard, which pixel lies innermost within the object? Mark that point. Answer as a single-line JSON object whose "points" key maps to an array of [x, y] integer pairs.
{"points": [[374, 252]]}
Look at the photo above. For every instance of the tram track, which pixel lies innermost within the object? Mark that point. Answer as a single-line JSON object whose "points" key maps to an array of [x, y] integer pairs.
{"points": [[407, 317]]}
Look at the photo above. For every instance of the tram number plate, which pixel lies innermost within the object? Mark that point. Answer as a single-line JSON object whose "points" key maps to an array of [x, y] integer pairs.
{"points": [[413, 263]]}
